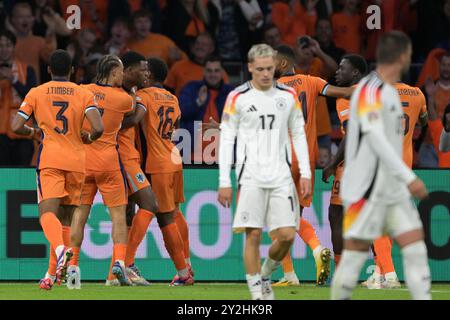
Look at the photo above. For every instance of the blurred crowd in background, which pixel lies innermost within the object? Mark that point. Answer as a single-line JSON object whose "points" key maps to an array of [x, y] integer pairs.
{"points": [[205, 43]]}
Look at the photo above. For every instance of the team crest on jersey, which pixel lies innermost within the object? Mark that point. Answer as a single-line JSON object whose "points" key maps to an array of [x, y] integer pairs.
{"points": [[280, 103], [140, 177]]}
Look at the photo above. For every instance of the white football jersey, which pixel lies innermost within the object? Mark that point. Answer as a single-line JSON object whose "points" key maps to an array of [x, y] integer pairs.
{"points": [[373, 153], [262, 122]]}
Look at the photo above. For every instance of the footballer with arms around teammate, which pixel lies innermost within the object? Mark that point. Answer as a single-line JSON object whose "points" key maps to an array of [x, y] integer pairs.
{"points": [[59, 108]]}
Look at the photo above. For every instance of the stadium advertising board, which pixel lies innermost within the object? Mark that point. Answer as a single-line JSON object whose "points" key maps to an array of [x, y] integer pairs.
{"points": [[216, 252]]}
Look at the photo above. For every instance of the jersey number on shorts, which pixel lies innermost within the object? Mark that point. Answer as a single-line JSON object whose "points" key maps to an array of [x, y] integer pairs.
{"points": [[263, 120], [292, 202], [60, 117], [164, 121]]}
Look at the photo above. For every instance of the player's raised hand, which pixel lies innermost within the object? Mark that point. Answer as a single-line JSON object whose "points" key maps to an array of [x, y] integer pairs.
{"points": [[418, 189], [327, 172], [225, 196], [305, 187]]}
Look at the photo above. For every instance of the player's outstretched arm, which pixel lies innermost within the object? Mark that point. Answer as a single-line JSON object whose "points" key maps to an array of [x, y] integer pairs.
{"points": [[95, 120], [339, 92], [296, 126]]}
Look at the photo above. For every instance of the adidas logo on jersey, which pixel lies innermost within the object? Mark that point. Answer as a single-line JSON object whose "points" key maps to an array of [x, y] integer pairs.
{"points": [[252, 109]]}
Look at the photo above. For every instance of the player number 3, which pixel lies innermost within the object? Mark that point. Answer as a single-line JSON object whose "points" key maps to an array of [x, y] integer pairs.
{"points": [[60, 117]]}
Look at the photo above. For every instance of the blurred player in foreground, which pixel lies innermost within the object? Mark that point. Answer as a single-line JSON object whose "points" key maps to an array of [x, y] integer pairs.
{"points": [[377, 184], [265, 117], [59, 108], [351, 70]]}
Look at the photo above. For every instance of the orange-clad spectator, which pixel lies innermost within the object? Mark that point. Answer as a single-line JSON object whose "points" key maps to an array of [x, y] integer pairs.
{"points": [[293, 19], [192, 69], [16, 79], [30, 49], [46, 17], [192, 17], [150, 44], [94, 14], [430, 68], [435, 123], [272, 36], [80, 50], [347, 27], [395, 15], [120, 33], [126, 8], [313, 61]]}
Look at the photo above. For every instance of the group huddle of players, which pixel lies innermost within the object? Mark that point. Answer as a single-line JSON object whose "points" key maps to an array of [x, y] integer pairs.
{"points": [[95, 146]]}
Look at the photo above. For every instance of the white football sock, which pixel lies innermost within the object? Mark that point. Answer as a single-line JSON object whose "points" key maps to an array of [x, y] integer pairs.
{"points": [[391, 276], [268, 267], [417, 271], [183, 273], [188, 261], [254, 283], [347, 274], [291, 276]]}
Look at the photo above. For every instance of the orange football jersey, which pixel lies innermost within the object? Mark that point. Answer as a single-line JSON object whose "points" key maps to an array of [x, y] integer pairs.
{"points": [[163, 112], [308, 89], [413, 103], [59, 108], [113, 104]]}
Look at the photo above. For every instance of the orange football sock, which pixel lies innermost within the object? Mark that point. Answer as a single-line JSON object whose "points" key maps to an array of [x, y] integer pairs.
{"points": [[383, 249], [184, 232], [66, 235], [286, 263], [337, 259], [52, 262], [120, 251], [53, 230], [75, 257], [138, 229], [308, 234], [174, 245], [113, 259]]}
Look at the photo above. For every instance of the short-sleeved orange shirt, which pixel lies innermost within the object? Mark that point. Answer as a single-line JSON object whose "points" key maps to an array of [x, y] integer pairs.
{"points": [[343, 111], [413, 103], [163, 112], [155, 45], [127, 145], [308, 89], [347, 31], [113, 104], [59, 108]]}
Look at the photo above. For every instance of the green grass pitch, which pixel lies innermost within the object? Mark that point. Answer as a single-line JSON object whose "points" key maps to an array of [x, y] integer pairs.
{"points": [[200, 291]]}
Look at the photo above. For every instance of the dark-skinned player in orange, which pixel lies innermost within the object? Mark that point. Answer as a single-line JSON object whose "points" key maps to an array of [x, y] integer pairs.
{"points": [[308, 88], [164, 168], [59, 108]]}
